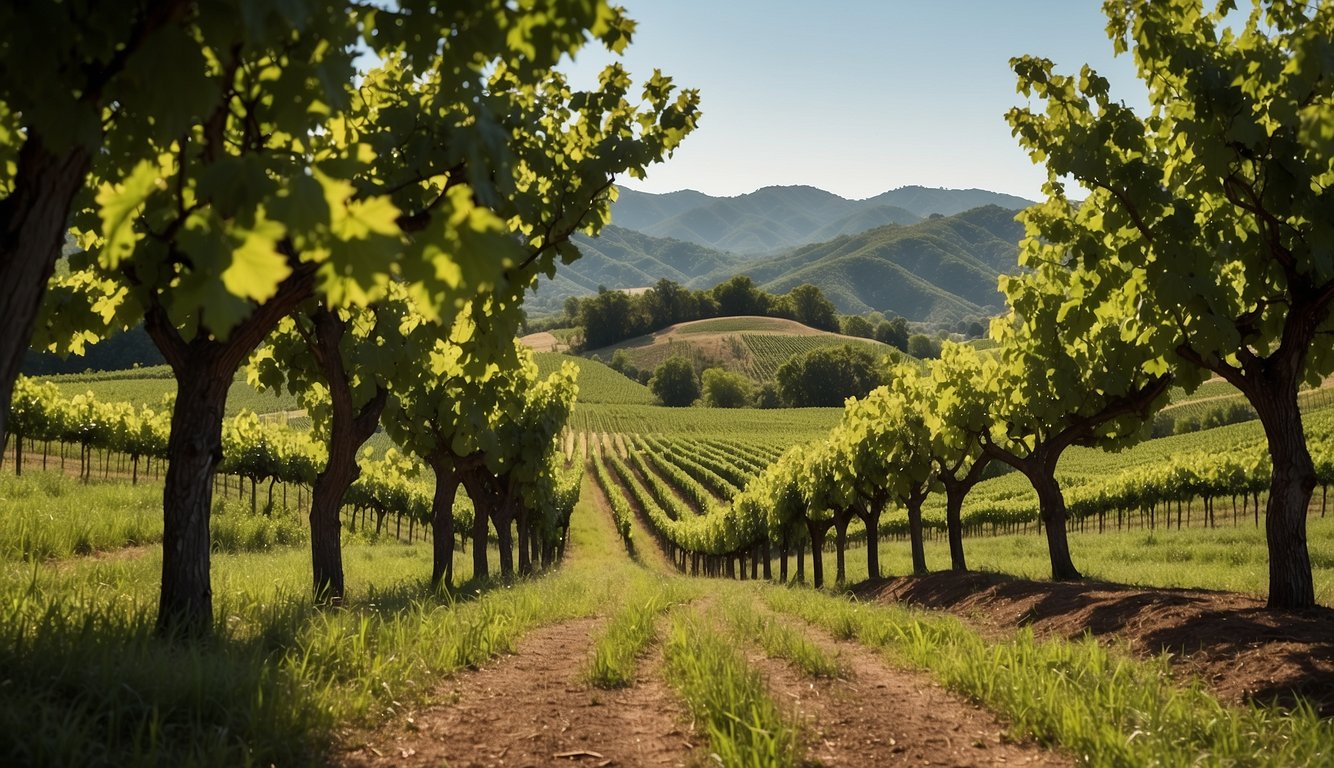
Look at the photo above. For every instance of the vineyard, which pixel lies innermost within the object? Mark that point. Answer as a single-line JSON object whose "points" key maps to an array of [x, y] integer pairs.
{"points": [[354, 521], [768, 353]]}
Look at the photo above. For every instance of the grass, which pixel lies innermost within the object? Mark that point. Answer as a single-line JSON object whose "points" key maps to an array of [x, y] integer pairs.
{"points": [[1102, 706], [744, 724], [84, 681], [52, 515], [779, 640], [598, 382], [633, 627], [149, 386]]}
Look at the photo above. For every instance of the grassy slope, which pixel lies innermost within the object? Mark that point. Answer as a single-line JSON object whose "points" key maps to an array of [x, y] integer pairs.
{"points": [[148, 386], [754, 346], [598, 383]]}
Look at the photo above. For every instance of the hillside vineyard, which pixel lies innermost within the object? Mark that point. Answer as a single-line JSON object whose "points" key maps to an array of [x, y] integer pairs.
{"points": [[360, 407]]}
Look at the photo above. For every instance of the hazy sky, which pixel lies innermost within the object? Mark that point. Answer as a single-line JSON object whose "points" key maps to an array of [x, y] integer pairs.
{"points": [[857, 96]]}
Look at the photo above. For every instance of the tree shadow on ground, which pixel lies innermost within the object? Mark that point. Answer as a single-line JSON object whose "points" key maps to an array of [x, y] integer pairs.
{"points": [[1241, 650]]}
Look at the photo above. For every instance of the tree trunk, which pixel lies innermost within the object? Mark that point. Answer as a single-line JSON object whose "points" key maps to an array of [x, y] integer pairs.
{"points": [[442, 525], [1051, 506], [481, 503], [954, 495], [1290, 489], [870, 516], [33, 220], [817, 531], [841, 520], [195, 450], [521, 524], [18, 454], [914, 507], [349, 429], [503, 520]]}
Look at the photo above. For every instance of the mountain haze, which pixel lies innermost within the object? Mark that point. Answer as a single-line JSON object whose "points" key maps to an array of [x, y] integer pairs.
{"points": [[776, 218], [939, 270], [930, 255]]}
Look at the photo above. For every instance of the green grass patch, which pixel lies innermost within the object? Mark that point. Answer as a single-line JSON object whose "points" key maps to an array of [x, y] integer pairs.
{"points": [[744, 724], [779, 640], [632, 628], [84, 681], [1228, 558]]}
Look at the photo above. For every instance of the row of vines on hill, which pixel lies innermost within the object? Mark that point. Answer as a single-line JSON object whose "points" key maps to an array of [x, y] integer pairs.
{"points": [[892, 451]]}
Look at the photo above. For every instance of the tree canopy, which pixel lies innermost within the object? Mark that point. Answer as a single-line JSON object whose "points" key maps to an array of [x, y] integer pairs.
{"points": [[1214, 207]]}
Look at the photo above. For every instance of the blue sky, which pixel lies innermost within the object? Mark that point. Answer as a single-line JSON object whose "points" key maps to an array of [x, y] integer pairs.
{"points": [[857, 96]]}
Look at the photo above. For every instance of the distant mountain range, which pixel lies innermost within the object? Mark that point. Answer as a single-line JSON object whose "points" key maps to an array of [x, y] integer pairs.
{"points": [[930, 255], [775, 218]]}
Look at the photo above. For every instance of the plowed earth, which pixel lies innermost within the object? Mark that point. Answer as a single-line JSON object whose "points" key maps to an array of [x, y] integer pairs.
{"points": [[1241, 651]]}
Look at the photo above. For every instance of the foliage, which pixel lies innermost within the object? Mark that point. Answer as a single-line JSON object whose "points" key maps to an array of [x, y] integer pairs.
{"points": [[922, 347], [724, 389], [827, 377], [610, 317], [674, 383], [1213, 206]]}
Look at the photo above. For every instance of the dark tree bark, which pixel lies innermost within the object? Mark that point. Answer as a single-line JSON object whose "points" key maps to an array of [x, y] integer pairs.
{"points": [[870, 517], [1291, 487], [186, 605], [521, 526], [204, 368], [1051, 506], [350, 428], [956, 489], [914, 506], [442, 521], [841, 520], [817, 531], [503, 519], [33, 221], [482, 502]]}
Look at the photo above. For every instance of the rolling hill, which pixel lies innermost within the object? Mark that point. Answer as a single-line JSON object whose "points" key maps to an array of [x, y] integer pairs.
{"points": [[624, 258], [777, 218], [879, 254], [939, 270], [754, 346]]}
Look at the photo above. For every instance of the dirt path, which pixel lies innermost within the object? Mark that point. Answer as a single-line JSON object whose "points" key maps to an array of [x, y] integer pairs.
{"points": [[534, 709], [888, 716], [1243, 652]]}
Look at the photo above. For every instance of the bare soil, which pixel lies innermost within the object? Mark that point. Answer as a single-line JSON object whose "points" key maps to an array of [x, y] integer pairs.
{"points": [[888, 716], [535, 709], [1243, 652], [542, 342]]}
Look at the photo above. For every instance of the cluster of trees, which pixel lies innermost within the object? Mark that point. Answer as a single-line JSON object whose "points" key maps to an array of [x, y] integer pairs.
{"points": [[613, 316], [822, 377], [895, 332], [227, 175], [1167, 423], [1204, 247]]}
